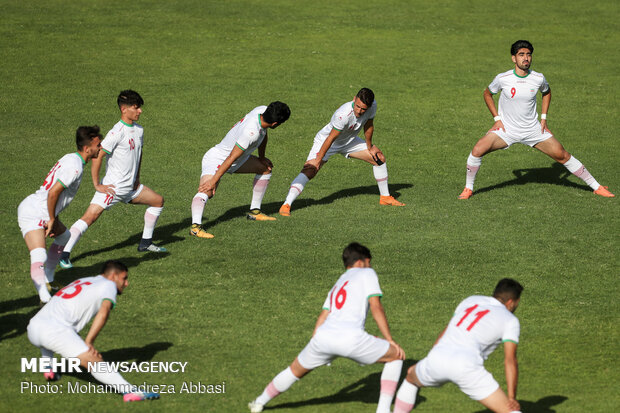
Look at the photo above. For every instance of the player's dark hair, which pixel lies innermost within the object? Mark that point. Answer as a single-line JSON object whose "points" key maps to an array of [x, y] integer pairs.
{"points": [[84, 135], [521, 44], [277, 112], [129, 98], [113, 266], [507, 289], [353, 253], [366, 95]]}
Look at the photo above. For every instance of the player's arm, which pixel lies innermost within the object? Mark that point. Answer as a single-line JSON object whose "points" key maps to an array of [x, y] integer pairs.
{"points": [[378, 313], [546, 101], [95, 169], [262, 148], [320, 320], [369, 129], [98, 322], [136, 184], [440, 336], [52, 200], [490, 102], [511, 368], [209, 186], [333, 135]]}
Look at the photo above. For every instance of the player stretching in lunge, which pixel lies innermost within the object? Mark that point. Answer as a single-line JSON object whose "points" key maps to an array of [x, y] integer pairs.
{"points": [[340, 136], [37, 215], [121, 183], [339, 332], [517, 120], [477, 327], [55, 328], [234, 155]]}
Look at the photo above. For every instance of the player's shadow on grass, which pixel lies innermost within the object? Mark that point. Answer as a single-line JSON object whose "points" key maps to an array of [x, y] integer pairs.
{"points": [[365, 390], [14, 325], [65, 277], [557, 174], [543, 405]]}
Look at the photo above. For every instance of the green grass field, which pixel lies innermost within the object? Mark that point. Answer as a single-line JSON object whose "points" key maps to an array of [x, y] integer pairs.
{"points": [[240, 307]]}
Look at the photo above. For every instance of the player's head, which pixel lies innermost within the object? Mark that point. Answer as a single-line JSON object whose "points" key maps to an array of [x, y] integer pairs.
{"points": [[521, 44], [88, 141], [130, 103], [116, 271], [355, 252], [362, 101], [508, 291], [276, 114]]}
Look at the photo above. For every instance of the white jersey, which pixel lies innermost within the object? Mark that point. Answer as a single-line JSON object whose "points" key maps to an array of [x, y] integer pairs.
{"points": [[479, 324], [68, 171], [517, 102], [77, 303], [247, 134], [344, 120], [123, 144], [347, 301]]}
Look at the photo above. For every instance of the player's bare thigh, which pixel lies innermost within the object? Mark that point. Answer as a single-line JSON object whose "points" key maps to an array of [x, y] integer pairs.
{"points": [[90, 356], [93, 212], [366, 156], [148, 197], [497, 402], [253, 166], [488, 143], [35, 239], [392, 354], [554, 149], [298, 370]]}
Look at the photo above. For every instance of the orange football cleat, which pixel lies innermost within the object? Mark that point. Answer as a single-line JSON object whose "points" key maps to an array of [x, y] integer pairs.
{"points": [[285, 210], [466, 194], [602, 191], [389, 200]]}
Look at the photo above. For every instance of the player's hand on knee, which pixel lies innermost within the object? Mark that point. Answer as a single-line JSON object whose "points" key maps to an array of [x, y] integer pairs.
{"points": [[377, 155], [268, 164], [313, 163], [208, 187], [400, 353], [513, 405], [105, 189], [497, 126]]}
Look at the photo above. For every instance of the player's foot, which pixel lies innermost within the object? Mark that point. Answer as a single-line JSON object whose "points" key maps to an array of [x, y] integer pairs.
{"points": [[64, 261], [197, 231], [256, 215], [152, 248], [389, 200], [140, 396], [466, 194], [255, 407], [285, 210], [51, 376], [53, 287], [602, 191]]}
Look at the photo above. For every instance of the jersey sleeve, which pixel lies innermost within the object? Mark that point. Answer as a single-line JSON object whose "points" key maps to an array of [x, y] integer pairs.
{"points": [[495, 86], [371, 284], [512, 331], [111, 140], [544, 85], [109, 293], [247, 138], [373, 110], [339, 120], [68, 173], [328, 301]]}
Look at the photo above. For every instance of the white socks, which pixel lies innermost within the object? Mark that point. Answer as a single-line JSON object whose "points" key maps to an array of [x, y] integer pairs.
{"points": [[473, 164], [281, 383], [150, 219], [77, 230], [389, 383], [297, 186], [381, 176], [198, 206], [38, 256], [258, 190], [576, 168], [405, 398]]}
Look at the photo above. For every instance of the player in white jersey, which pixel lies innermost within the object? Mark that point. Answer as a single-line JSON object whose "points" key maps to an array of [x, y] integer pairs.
{"points": [[57, 191], [339, 332], [234, 155], [340, 135], [122, 147], [516, 120], [477, 327], [55, 328]]}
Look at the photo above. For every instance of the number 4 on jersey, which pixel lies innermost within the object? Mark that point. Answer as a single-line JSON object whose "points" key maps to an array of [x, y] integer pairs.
{"points": [[470, 310]]}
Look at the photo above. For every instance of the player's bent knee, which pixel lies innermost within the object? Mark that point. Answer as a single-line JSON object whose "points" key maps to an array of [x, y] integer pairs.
{"points": [[310, 171]]}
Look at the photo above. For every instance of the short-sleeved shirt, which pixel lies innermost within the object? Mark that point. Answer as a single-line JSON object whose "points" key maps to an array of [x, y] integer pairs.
{"points": [[479, 324], [347, 301], [345, 121], [247, 134], [123, 144], [77, 303], [517, 101], [68, 171]]}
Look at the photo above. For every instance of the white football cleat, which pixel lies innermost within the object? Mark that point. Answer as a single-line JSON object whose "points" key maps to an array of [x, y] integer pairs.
{"points": [[255, 407]]}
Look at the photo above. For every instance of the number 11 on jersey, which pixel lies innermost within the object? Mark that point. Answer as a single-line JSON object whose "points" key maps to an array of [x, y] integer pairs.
{"points": [[470, 310]]}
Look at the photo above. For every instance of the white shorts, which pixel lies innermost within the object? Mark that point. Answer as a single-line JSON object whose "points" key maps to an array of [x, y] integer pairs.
{"points": [[529, 137], [356, 345], [355, 144], [461, 368], [56, 337], [30, 217], [214, 158], [105, 201]]}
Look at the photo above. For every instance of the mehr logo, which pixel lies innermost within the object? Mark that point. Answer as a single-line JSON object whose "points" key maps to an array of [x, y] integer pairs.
{"points": [[43, 365]]}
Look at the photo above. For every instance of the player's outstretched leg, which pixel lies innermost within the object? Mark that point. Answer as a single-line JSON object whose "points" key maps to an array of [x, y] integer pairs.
{"points": [[297, 186], [576, 168], [261, 181], [76, 231], [473, 164], [281, 383], [38, 256]]}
